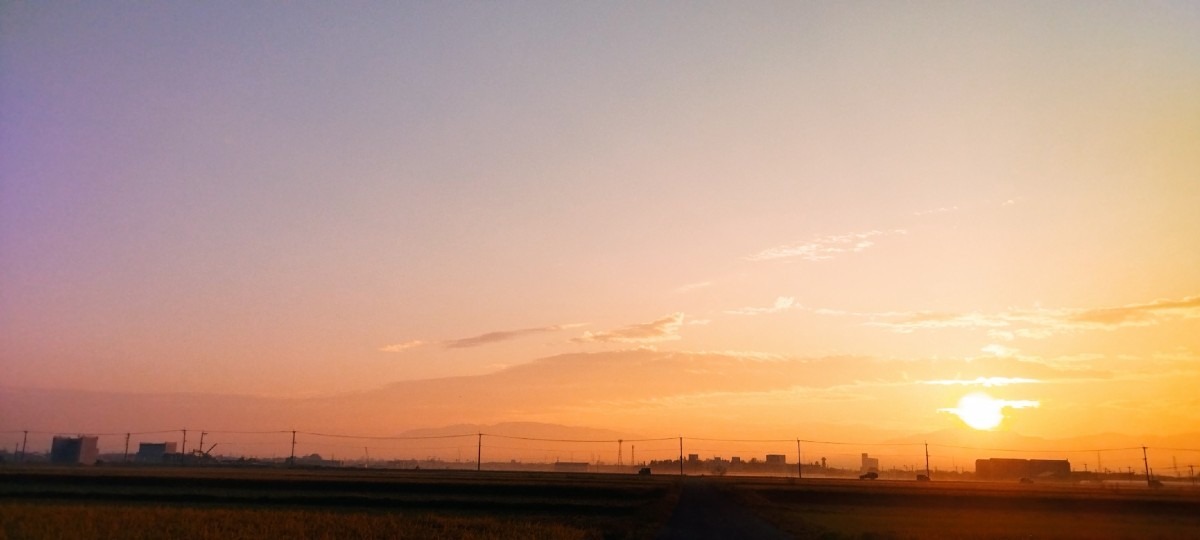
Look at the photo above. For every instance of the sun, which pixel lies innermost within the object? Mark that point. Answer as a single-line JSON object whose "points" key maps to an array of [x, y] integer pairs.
{"points": [[979, 411], [984, 412]]}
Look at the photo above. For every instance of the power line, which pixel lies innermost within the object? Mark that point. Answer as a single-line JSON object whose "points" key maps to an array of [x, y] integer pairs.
{"points": [[743, 440], [575, 440], [376, 438], [858, 443], [1034, 451], [98, 434], [234, 432]]}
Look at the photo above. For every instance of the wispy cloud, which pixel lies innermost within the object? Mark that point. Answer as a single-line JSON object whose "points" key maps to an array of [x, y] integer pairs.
{"points": [[940, 210], [664, 329], [480, 340], [996, 349], [824, 247], [1138, 314], [1043, 323], [504, 335], [983, 381], [1002, 334], [925, 320], [693, 286], [401, 347], [745, 355], [782, 303]]}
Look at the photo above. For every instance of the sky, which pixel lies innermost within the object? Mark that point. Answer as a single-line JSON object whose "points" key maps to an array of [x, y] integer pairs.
{"points": [[695, 215]]}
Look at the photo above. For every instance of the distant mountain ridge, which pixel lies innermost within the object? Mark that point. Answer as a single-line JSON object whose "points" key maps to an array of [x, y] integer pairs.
{"points": [[534, 430]]}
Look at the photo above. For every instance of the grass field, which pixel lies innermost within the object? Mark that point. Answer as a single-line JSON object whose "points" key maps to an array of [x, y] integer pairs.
{"points": [[260, 503], [134, 522], [204, 503]]}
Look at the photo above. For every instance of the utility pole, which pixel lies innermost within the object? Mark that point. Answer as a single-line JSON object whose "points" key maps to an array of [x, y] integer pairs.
{"points": [[203, 433], [183, 448], [620, 442], [681, 456], [799, 461], [1192, 474], [1146, 462], [927, 461], [24, 439], [479, 454], [126, 458], [291, 460]]}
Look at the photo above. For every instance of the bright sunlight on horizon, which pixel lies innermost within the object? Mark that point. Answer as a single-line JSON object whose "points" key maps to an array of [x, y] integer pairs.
{"points": [[859, 221]]}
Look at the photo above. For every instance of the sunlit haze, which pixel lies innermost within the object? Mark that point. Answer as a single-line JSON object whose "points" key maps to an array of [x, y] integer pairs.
{"points": [[839, 221]]}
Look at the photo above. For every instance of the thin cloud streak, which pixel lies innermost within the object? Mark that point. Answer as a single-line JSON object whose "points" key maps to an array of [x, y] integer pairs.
{"points": [[504, 335], [682, 289], [663, 329], [984, 381], [401, 347], [941, 210], [1040, 323], [782, 303], [480, 340], [1140, 314], [823, 248]]}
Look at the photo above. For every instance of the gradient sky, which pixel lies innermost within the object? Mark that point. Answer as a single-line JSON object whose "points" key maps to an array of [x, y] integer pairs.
{"points": [[903, 202]]}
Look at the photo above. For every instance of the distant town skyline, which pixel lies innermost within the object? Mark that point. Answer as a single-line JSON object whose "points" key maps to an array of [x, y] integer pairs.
{"points": [[655, 218]]}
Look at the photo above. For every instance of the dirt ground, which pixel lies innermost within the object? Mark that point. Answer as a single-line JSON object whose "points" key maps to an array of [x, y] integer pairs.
{"points": [[705, 511]]}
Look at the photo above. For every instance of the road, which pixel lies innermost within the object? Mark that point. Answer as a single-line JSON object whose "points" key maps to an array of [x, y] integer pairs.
{"points": [[704, 512]]}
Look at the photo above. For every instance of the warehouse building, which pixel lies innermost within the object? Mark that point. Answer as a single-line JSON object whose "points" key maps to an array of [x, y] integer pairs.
{"points": [[1013, 469]]}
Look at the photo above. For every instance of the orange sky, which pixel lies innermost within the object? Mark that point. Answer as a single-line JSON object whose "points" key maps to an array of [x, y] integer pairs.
{"points": [[662, 219]]}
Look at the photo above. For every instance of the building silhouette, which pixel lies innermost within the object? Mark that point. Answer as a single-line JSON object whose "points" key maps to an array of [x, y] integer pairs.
{"points": [[1013, 469], [869, 464], [155, 452], [81, 450], [570, 466]]}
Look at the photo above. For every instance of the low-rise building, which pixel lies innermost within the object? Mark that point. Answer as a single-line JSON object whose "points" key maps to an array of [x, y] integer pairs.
{"points": [[81, 450], [869, 464], [1013, 469], [570, 466], [155, 452]]}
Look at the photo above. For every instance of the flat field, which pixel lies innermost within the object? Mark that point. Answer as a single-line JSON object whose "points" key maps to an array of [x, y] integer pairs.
{"points": [[210, 503], [899, 509]]}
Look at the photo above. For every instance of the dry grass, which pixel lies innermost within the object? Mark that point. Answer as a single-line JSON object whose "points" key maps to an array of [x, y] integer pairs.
{"points": [[56, 520], [269, 503]]}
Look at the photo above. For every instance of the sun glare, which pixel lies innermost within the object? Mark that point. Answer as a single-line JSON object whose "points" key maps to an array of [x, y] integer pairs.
{"points": [[984, 412]]}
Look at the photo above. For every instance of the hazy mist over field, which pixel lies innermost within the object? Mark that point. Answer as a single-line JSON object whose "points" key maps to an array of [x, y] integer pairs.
{"points": [[838, 221]]}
